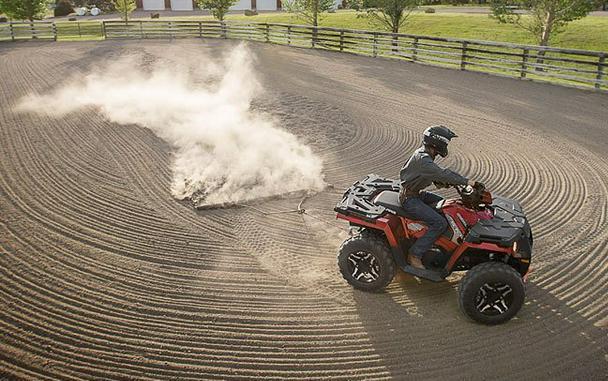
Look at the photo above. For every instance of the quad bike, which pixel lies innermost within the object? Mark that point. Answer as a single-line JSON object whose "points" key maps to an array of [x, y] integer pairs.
{"points": [[488, 237]]}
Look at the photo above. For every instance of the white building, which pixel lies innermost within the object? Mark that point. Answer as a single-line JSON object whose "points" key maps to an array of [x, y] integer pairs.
{"points": [[189, 5]]}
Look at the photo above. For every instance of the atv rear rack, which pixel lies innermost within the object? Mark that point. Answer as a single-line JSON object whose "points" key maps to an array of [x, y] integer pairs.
{"points": [[358, 199]]}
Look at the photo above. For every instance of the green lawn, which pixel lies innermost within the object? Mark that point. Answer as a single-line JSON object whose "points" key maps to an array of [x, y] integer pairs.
{"points": [[590, 33]]}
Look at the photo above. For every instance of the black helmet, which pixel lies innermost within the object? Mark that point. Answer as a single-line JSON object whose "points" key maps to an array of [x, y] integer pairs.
{"points": [[438, 137]]}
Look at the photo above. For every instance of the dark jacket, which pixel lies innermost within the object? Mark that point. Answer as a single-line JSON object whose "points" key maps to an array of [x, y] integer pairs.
{"points": [[420, 171]]}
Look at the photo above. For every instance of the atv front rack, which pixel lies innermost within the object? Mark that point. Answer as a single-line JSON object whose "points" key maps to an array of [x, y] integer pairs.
{"points": [[358, 199]]}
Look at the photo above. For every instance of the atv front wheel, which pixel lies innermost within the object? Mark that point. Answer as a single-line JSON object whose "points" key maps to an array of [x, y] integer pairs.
{"points": [[365, 261], [491, 293]]}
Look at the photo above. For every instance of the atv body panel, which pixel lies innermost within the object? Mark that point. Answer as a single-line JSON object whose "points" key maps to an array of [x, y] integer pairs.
{"points": [[507, 226]]}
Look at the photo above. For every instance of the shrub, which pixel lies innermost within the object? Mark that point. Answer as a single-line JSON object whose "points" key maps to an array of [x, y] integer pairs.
{"points": [[429, 10], [249, 12], [3, 19], [124, 8], [63, 8], [217, 8], [24, 9], [106, 6]]}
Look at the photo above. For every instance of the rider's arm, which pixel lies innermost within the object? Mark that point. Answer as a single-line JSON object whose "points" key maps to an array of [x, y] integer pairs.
{"points": [[442, 175]]}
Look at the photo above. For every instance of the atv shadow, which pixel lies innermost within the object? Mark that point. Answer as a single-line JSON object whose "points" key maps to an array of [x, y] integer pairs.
{"points": [[418, 331]]}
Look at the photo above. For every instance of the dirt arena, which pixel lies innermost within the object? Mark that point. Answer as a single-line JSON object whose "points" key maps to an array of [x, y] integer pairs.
{"points": [[104, 275]]}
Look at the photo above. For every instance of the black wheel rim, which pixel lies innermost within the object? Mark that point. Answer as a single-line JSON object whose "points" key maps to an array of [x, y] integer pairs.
{"points": [[494, 299], [363, 266]]}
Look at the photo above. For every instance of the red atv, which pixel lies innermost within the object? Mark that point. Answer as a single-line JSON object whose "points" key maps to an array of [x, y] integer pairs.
{"points": [[490, 237]]}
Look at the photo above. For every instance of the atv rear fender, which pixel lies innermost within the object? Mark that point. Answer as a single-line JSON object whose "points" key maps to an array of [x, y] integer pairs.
{"points": [[390, 225], [392, 228]]}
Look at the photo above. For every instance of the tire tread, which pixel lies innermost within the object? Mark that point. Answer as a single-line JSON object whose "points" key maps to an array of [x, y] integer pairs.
{"points": [[376, 243], [484, 269]]}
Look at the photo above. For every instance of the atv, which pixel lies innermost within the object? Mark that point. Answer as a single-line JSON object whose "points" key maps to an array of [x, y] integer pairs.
{"points": [[488, 237]]}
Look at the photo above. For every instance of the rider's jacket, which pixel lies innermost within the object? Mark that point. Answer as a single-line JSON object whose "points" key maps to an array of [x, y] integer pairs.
{"points": [[420, 171]]}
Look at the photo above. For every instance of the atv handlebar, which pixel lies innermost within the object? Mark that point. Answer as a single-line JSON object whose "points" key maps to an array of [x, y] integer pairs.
{"points": [[467, 189], [474, 197]]}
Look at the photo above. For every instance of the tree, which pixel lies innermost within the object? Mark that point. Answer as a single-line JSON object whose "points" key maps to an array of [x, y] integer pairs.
{"points": [[124, 7], [62, 8], [308, 10], [218, 8], [545, 17], [391, 14], [24, 9]]}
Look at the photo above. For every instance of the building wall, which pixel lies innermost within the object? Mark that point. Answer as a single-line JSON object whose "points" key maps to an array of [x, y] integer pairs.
{"points": [[262, 5]]}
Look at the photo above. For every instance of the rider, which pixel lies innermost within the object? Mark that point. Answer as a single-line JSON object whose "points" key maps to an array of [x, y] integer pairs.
{"points": [[418, 173]]}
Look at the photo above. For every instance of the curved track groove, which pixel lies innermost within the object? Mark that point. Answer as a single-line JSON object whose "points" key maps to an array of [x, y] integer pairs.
{"points": [[106, 276]]}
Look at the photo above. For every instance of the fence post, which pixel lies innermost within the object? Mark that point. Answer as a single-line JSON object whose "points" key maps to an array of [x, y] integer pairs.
{"points": [[600, 70], [395, 43], [289, 35], [200, 29], [33, 30], [341, 40], [463, 56], [540, 60], [375, 45], [79, 31], [415, 49], [524, 64], [11, 30], [223, 27], [267, 32], [103, 30], [313, 40], [54, 29]]}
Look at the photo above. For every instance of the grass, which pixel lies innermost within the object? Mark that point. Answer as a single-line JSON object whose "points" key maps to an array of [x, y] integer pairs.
{"points": [[589, 33]]}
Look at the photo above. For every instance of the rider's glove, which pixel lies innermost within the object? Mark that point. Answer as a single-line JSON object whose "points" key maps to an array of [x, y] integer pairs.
{"points": [[479, 185]]}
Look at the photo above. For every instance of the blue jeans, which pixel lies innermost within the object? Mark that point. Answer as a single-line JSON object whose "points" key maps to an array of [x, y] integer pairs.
{"points": [[417, 208]]}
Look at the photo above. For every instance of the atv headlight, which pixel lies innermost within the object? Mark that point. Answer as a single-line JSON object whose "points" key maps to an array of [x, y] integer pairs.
{"points": [[515, 247]]}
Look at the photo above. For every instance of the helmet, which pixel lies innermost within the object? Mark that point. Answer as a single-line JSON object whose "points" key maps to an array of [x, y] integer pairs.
{"points": [[438, 137]]}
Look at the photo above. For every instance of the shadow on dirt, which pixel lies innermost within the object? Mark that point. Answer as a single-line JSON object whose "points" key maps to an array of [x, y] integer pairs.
{"points": [[547, 339]]}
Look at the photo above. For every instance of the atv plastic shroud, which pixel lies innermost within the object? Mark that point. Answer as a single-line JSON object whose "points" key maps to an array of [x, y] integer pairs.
{"points": [[502, 228]]}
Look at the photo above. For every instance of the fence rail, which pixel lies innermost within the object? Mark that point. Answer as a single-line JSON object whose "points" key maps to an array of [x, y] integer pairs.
{"points": [[564, 66]]}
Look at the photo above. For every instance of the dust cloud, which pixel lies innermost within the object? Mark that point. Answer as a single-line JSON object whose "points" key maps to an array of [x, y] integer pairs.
{"points": [[225, 151]]}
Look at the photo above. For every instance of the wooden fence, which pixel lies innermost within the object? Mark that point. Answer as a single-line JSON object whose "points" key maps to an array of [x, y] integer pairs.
{"points": [[563, 66]]}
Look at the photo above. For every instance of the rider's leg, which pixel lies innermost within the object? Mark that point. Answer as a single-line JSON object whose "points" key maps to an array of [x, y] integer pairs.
{"points": [[418, 210], [430, 198]]}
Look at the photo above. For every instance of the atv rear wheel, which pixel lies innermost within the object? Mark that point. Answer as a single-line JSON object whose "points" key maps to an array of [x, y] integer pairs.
{"points": [[365, 261], [491, 293]]}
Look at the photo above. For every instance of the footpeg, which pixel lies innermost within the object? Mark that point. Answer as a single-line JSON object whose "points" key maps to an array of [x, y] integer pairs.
{"points": [[435, 276]]}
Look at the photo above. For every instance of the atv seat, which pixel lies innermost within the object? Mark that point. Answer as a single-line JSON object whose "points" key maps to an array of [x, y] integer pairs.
{"points": [[390, 200]]}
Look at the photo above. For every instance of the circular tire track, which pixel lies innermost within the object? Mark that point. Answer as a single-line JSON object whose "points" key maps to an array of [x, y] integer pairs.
{"points": [[105, 276]]}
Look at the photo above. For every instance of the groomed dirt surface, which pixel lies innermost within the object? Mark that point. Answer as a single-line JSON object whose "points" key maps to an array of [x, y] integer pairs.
{"points": [[105, 276]]}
